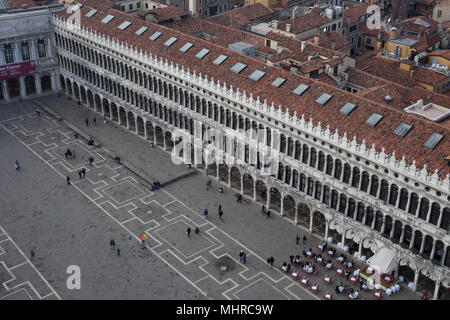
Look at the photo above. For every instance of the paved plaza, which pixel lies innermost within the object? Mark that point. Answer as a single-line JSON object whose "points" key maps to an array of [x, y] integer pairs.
{"points": [[72, 224]]}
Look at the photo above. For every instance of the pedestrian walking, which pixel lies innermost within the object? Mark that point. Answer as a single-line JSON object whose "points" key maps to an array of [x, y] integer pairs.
{"points": [[196, 230], [38, 112], [76, 135], [272, 260], [304, 240], [347, 274], [87, 122], [241, 253], [17, 165], [424, 294], [112, 244], [208, 185], [263, 210], [205, 213], [220, 190], [188, 232], [142, 244], [244, 258], [32, 255], [80, 174], [268, 214], [91, 160], [83, 172], [68, 179], [239, 198], [220, 213], [95, 122], [118, 252], [297, 239]]}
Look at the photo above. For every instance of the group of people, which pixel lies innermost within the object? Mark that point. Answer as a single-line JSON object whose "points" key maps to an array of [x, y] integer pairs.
{"points": [[69, 154], [188, 231], [82, 173], [242, 256]]}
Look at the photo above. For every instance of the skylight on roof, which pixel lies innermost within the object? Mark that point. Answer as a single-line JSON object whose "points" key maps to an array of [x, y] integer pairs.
{"points": [[324, 98], [202, 53], [238, 67], [155, 36], [125, 25], [91, 13], [170, 42], [402, 129], [220, 59], [107, 19], [374, 119], [300, 89], [433, 141], [186, 47], [347, 108], [257, 75], [141, 30], [278, 82]]}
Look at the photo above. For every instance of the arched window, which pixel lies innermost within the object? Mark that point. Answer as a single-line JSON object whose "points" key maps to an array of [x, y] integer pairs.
{"points": [[384, 190], [318, 192], [347, 173], [435, 212], [413, 204], [313, 159], [356, 177], [365, 181], [334, 199], [337, 169], [374, 186], [302, 182], [360, 213], [403, 199], [343, 203], [321, 161], [329, 169], [310, 186], [305, 154]]}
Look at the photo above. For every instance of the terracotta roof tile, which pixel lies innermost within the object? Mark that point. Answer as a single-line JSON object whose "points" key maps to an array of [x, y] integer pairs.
{"points": [[327, 114]]}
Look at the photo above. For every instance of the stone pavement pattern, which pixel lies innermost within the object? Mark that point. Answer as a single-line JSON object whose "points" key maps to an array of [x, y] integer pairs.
{"points": [[165, 214]]}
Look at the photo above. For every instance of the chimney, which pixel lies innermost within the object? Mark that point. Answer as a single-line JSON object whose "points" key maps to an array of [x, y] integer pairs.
{"points": [[316, 39], [420, 105], [288, 27], [303, 45], [275, 24], [411, 73], [393, 33]]}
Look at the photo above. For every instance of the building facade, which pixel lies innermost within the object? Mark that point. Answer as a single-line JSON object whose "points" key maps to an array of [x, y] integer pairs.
{"points": [[360, 196], [28, 63]]}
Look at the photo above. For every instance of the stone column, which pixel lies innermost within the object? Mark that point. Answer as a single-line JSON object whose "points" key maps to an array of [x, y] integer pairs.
{"points": [[23, 90], [2, 56], [229, 177], [422, 246], [360, 248], [418, 208], [363, 222], [383, 225], [268, 198], [409, 203], [391, 234], [242, 184], [413, 236], [296, 214], [402, 237], [217, 171], [343, 240], [136, 124], [33, 51], [37, 82], [374, 221], [154, 137], [310, 222], [397, 204], [17, 53], [145, 130], [165, 145], [128, 120], [436, 289], [441, 213], [5, 90], [327, 224], [416, 279], [433, 250], [254, 189], [282, 205], [444, 256]]}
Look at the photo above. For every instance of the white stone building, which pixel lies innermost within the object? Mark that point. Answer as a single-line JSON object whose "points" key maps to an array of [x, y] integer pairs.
{"points": [[28, 63], [365, 175]]}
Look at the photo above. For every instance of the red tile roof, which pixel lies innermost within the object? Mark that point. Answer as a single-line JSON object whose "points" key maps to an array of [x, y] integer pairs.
{"points": [[354, 125], [304, 23], [166, 13], [241, 17], [441, 53], [353, 13]]}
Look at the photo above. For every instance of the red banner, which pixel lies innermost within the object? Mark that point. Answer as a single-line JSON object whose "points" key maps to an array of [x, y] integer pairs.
{"points": [[17, 70]]}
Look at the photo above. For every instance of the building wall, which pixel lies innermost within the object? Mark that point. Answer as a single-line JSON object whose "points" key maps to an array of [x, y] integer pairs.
{"points": [[28, 37], [323, 188], [441, 13], [405, 52]]}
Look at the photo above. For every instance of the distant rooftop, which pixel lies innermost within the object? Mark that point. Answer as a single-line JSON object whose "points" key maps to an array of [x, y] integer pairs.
{"points": [[430, 111], [405, 41]]}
